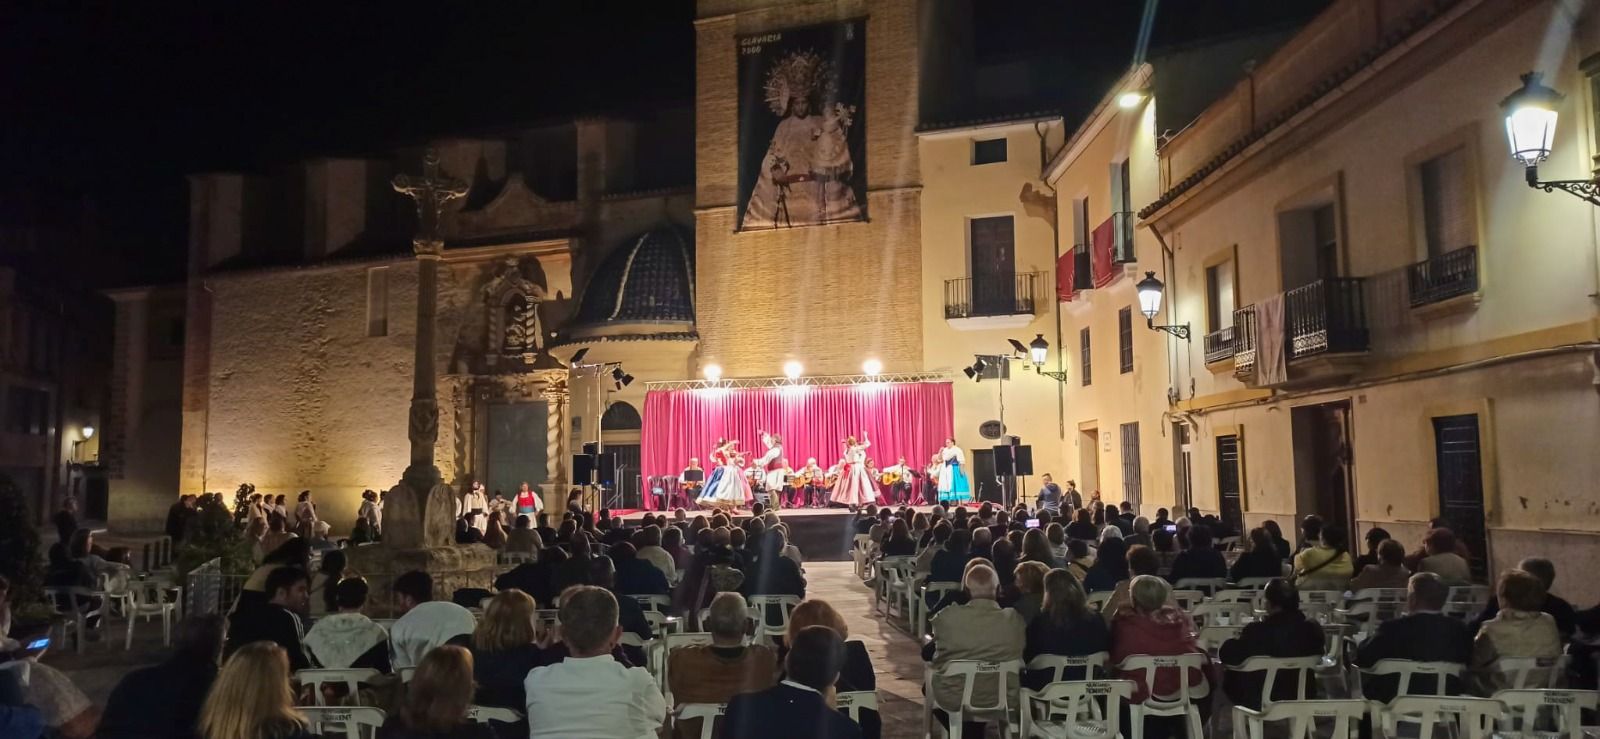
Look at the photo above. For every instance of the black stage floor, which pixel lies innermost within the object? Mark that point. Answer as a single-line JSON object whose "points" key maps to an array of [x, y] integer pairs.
{"points": [[822, 534]]}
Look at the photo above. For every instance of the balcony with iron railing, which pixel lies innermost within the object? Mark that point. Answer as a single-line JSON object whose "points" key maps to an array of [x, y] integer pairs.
{"points": [[1244, 340], [1324, 326], [1219, 345], [1447, 276], [992, 302]]}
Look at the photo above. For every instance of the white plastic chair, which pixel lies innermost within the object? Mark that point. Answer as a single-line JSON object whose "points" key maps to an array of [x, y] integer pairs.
{"points": [[1332, 665], [485, 714], [968, 671], [1183, 703], [852, 703], [148, 598], [406, 673], [1365, 616], [762, 608], [1254, 583], [1474, 717], [1206, 585], [1302, 668], [1093, 665], [1097, 600], [1220, 614], [705, 713], [349, 720], [1466, 601], [1559, 709], [895, 576], [351, 679], [1211, 638], [1077, 703], [1301, 715], [1187, 599], [1379, 595], [937, 590], [1532, 673], [659, 652], [657, 603], [858, 553], [79, 611], [1246, 596]]}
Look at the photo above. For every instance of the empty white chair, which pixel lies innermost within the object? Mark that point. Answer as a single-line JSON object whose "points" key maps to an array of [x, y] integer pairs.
{"points": [[896, 576], [1379, 595], [1181, 703], [1220, 614], [1246, 596], [1092, 665], [969, 672], [852, 703], [1072, 710], [1519, 673], [1207, 585], [351, 679], [485, 714], [706, 713], [1548, 711], [355, 722], [148, 598], [1474, 718], [1301, 715], [771, 614], [656, 603], [1187, 599]]}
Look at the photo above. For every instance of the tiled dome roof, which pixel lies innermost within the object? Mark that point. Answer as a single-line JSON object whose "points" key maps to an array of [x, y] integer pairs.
{"points": [[648, 278]]}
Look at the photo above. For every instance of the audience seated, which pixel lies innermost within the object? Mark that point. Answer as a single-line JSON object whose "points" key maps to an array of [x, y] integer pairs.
{"points": [[1389, 572], [648, 542], [494, 535], [1065, 626], [938, 539], [424, 623], [1375, 536], [17, 718], [1520, 629], [799, 707], [1110, 567], [1414, 559], [505, 648], [1156, 628], [588, 693], [1141, 561], [1078, 560], [630, 615], [1285, 550], [1259, 560], [348, 638], [1423, 634], [857, 673], [637, 576], [1327, 565], [771, 573], [1442, 559], [1566, 618], [277, 620], [1141, 533], [534, 578], [437, 700], [252, 698], [1082, 526], [522, 539], [950, 563], [715, 673], [63, 709], [1201, 559], [1285, 632], [977, 630], [295, 552], [1029, 579]]}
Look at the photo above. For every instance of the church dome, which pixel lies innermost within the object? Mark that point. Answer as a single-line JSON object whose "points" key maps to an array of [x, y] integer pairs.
{"points": [[647, 279]]}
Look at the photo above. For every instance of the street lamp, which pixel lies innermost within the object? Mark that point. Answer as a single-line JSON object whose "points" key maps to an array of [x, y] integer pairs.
{"points": [[1150, 292], [1531, 131], [88, 432], [1038, 352]]}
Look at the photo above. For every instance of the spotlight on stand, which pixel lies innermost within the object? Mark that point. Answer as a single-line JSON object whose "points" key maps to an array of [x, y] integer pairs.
{"points": [[577, 359], [712, 372], [1150, 291], [622, 379], [975, 372], [792, 370]]}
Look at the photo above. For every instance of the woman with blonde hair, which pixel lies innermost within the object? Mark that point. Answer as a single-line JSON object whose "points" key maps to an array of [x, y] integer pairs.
{"points": [[251, 698], [505, 648], [856, 675], [437, 700]]}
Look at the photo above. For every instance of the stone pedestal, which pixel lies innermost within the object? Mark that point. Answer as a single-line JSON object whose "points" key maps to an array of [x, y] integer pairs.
{"points": [[418, 534]]}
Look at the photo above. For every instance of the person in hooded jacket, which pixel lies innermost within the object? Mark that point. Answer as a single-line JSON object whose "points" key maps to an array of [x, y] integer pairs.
{"points": [[348, 639]]}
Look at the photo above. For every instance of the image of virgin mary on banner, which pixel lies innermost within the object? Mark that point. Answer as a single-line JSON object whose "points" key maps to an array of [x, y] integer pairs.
{"points": [[802, 126]]}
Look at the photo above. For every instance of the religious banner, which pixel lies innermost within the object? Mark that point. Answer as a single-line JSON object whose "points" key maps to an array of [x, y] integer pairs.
{"points": [[1100, 245], [802, 126], [1066, 276]]}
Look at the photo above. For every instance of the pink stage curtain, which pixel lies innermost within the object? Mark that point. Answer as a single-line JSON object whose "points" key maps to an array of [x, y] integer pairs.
{"points": [[901, 419]]}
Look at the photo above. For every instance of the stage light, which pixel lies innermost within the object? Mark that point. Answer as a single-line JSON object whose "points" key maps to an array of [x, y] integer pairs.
{"points": [[1130, 99], [712, 372], [792, 370], [872, 367], [971, 375], [578, 358], [622, 379]]}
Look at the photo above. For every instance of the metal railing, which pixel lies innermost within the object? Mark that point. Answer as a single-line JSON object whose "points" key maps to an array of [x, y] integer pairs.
{"points": [[1122, 237], [1012, 295], [1244, 340], [1082, 268], [1448, 275], [1326, 316], [1219, 345], [210, 590]]}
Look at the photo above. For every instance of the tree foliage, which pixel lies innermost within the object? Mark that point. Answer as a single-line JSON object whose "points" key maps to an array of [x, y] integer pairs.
{"points": [[20, 558]]}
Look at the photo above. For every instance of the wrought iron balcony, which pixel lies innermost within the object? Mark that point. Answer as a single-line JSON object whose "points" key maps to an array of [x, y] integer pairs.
{"points": [[1244, 340], [1326, 316], [1219, 345], [1448, 275], [1009, 295]]}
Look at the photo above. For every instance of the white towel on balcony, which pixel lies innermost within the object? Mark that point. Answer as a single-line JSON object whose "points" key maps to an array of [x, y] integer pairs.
{"points": [[1271, 365]]}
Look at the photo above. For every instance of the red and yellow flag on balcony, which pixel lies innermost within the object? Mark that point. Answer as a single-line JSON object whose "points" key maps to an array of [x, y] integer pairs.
{"points": [[1101, 244]]}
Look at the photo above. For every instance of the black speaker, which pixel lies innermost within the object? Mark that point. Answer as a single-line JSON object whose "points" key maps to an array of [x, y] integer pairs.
{"points": [[583, 469], [606, 469], [1003, 454], [591, 447]]}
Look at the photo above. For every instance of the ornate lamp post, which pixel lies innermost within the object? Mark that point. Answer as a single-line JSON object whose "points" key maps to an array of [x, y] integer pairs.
{"points": [[1531, 131], [1150, 292]]}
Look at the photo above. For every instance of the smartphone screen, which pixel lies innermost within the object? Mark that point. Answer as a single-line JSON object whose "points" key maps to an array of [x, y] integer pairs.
{"points": [[1032, 523], [1172, 528], [38, 644]]}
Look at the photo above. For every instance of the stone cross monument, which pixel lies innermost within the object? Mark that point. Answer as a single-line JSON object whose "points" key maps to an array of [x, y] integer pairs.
{"points": [[419, 513]]}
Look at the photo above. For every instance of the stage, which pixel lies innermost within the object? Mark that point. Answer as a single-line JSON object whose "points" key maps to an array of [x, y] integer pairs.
{"points": [[822, 534]]}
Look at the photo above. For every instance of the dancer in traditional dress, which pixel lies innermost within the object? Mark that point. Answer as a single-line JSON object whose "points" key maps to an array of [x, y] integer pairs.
{"points": [[953, 487], [730, 489], [718, 458], [855, 487], [771, 463]]}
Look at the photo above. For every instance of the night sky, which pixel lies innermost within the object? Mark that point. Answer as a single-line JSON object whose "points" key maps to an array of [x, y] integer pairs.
{"points": [[119, 100]]}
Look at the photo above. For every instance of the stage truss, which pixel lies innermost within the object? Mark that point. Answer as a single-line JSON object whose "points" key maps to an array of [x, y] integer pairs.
{"points": [[781, 382]]}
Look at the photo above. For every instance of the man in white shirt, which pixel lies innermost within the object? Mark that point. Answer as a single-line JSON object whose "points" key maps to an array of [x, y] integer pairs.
{"points": [[590, 694], [424, 622], [900, 491]]}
